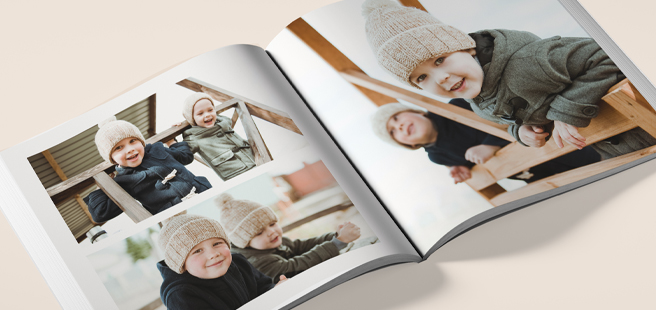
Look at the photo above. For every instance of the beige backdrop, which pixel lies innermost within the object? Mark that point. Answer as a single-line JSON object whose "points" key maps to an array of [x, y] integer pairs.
{"points": [[592, 249]]}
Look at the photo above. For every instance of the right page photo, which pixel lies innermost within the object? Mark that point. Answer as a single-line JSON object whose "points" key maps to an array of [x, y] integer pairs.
{"points": [[449, 109]]}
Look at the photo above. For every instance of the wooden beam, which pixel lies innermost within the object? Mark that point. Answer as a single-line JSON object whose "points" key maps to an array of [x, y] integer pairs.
{"points": [[255, 140], [122, 199], [70, 192], [273, 116], [152, 115], [316, 215], [229, 104], [624, 101], [449, 111], [54, 165], [515, 158], [235, 117], [570, 176], [412, 3], [640, 99], [195, 86], [333, 56], [165, 135]]}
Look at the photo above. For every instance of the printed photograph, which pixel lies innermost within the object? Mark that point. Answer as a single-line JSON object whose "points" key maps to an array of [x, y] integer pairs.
{"points": [[163, 150], [449, 109], [235, 246]]}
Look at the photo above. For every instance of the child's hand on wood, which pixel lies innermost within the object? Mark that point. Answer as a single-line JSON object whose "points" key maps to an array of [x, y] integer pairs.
{"points": [[460, 173], [348, 232], [569, 133], [282, 279], [533, 136], [481, 153]]}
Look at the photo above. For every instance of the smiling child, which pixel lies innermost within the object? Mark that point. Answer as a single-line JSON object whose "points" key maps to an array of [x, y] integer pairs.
{"points": [[255, 233], [509, 77], [212, 136], [153, 174], [198, 270]]}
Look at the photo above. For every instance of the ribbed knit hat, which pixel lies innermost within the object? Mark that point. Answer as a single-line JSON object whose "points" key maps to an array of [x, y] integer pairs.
{"points": [[182, 233], [243, 219], [404, 37], [382, 116], [188, 106], [112, 132]]}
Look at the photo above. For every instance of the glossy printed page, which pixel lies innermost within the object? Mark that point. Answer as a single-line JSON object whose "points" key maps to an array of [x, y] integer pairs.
{"points": [[222, 138], [389, 81]]}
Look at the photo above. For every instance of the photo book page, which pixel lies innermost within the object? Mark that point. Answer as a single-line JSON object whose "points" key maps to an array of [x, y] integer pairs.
{"points": [[212, 176]]}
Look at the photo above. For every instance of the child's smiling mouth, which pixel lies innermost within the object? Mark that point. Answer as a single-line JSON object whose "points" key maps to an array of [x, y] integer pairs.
{"points": [[274, 240], [217, 263], [458, 86], [132, 156]]}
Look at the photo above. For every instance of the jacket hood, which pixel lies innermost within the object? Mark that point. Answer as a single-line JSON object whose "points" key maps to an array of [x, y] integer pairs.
{"points": [[506, 43]]}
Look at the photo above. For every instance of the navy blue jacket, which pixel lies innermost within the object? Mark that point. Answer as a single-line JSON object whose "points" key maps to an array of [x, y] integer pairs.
{"points": [[241, 284], [453, 140], [144, 182]]}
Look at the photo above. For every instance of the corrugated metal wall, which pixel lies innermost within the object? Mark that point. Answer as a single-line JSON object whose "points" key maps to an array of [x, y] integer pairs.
{"points": [[77, 155]]}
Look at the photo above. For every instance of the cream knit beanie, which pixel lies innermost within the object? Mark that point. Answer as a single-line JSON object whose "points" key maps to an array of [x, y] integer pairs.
{"points": [[382, 116], [404, 37], [243, 219], [188, 106], [182, 233], [112, 132]]}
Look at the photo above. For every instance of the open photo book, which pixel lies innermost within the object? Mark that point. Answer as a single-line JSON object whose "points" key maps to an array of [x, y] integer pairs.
{"points": [[367, 134]]}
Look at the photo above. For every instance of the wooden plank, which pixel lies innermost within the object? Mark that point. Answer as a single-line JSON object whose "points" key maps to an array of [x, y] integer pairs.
{"points": [[165, 135], [122, 199], [255, 140], [333, 56], [449, 111], [570, 176], [515, 158], [622, 100], [53, 164], [235, 117], [152, 115], [412, 3], [195, 86], [640, 98], [72, 191], [273, 116], [491, 191], [229, 104], [316, 215]]}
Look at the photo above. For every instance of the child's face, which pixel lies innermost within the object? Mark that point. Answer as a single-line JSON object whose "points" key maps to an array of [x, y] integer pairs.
{"points": [[453, 75], [209, 259], [128, 152], [269, 238], [411, 128], [204, 114]]}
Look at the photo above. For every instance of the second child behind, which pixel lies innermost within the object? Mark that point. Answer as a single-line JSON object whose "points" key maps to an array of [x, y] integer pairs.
{"points": [[254, 231], [212, 136]]}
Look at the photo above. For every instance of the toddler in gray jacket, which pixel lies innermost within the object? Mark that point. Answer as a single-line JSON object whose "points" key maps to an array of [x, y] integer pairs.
{"points": [[509, 77], [212, 136]]}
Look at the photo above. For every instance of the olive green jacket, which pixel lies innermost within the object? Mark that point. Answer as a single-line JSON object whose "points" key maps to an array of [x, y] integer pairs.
{"points": [[533, 81], [225, 151], [292, 256]]}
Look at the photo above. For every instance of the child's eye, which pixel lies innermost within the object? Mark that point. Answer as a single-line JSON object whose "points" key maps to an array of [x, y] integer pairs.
{"points": [[439, 61], [118, 148], [271, 225], [421, 78], [196, 251], [259, 233]]}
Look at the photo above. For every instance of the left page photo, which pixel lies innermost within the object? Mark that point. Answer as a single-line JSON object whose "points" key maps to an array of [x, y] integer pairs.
{"points": [[205, 186]]}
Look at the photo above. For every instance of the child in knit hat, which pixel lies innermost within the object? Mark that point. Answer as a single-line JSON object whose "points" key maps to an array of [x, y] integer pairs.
{"points": [[509, 77], [458, 146], [198, 270], [153, 174], [255, 233], [212, 136]]}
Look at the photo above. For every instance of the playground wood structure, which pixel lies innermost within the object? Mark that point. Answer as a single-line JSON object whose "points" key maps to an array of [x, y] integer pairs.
{"points": [[622, 108]]}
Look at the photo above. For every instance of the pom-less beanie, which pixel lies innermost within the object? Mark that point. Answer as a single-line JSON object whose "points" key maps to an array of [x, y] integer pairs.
{"points": [[188, 106], [182, 233], [243, 219], [112, 132], [404, 37], [382, 116]]}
